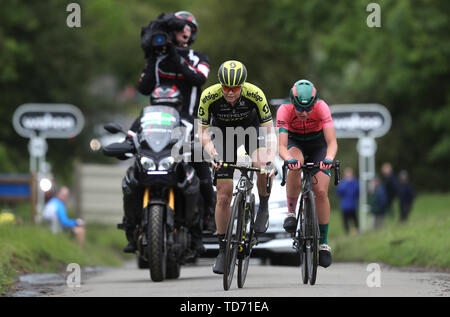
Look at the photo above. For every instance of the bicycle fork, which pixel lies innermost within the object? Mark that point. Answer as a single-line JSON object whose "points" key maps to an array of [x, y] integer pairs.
{"points": [[301, 237], [244, 247]]}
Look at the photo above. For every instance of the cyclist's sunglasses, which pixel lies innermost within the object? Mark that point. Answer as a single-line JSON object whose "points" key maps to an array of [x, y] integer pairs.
{"points": [[301, 109], [235, 89]]}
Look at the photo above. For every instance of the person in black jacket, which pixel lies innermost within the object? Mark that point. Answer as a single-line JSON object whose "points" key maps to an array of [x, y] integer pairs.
{"points": [[172, 64], [405, 195], [180, 65], [390, 182]]}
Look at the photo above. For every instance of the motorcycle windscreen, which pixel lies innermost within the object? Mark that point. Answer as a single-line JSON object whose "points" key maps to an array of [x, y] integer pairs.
{"points": [[157, 124]]}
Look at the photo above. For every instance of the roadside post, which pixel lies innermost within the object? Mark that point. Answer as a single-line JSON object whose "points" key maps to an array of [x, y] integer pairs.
{"points": [[364, 122], [40, 122]]}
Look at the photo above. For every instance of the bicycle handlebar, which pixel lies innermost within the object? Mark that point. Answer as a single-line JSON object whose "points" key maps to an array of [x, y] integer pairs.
{"points": [[310, 166], [255, 169], [244, 168]]}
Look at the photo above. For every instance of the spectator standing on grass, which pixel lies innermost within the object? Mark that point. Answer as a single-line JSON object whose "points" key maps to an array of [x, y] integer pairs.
{"points": [[405, 195], [378, 201], [55, 213], [348, 193], [391, 185]]}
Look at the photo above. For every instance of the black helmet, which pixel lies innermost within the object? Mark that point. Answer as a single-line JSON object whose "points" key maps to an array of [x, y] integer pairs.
{"points": [[166, 95], [190, 20]]}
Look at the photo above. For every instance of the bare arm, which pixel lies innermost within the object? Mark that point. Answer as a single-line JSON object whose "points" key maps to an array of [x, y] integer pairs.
{"points": [[208, 145], [282, 146], [330, 138], [206, 140], [271, 140]]}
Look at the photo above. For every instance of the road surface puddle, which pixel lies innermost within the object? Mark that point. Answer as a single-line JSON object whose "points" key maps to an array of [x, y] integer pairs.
{"points": [[45, 284]]}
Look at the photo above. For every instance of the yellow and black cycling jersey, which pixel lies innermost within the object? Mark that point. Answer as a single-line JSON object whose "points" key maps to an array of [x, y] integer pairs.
{"points": [[216, 111]]}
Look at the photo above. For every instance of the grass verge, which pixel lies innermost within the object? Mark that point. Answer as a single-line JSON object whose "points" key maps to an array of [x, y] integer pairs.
{"points": [[423, 241], [26, 249]]}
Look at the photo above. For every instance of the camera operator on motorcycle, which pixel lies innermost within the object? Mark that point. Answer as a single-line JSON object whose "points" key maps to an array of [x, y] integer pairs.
{"points": [[171, 64]]}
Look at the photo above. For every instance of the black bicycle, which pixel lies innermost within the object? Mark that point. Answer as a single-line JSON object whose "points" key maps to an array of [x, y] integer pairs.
{"points": [[240, 235], [306, 237]]}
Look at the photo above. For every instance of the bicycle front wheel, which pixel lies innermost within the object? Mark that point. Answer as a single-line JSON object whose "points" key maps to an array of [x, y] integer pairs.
{"points": [[302, 247], [232, 237], [247, 219], [313, 235]]}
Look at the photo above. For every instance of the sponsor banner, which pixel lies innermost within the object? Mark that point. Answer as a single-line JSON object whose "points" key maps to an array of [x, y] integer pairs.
{"points": [[356, 120]]}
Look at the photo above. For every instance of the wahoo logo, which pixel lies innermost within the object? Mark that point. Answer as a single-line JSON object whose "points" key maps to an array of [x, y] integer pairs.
{"points": [[50, 120]]}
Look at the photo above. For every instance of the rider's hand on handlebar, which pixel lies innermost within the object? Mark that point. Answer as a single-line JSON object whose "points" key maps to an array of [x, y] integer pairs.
{"points": [[271, 169], [293, 164], [326, 164], [216, 162]]}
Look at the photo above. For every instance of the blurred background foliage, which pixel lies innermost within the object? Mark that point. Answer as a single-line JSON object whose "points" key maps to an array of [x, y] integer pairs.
{"points": [[403, 65]]}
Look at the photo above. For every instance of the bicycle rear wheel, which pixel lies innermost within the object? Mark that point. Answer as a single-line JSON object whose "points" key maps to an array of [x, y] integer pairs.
{"points": [[232, 237], [247, 237]]}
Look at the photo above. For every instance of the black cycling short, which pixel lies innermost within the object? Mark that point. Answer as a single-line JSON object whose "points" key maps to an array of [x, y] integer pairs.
{"points": [[314, 151], [227, 150]]}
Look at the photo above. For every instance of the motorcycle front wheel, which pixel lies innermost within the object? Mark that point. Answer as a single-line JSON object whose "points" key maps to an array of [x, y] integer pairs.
{"points": [[157, 249]]}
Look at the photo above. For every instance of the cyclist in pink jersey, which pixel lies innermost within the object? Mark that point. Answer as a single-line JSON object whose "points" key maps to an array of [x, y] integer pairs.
{"points": [[306, 134]]}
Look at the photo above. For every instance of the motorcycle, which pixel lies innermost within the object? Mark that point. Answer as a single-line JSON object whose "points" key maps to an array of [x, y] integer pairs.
{"points": [[169, 204]]}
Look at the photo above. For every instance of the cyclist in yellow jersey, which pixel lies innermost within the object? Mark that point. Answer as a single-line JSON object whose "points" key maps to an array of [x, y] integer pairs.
{"points": [[237, 113]]}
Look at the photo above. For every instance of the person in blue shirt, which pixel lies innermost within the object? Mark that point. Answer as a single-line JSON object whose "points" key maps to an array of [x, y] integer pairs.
{"points": [[348, 193], [55, 213]]}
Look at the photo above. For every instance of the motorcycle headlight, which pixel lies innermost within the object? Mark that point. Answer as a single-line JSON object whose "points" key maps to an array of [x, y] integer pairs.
{"points": [[166, 163], [148, 164]]}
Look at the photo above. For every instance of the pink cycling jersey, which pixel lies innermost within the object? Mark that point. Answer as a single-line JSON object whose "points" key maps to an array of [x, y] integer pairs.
{"points": [[318, 119]]}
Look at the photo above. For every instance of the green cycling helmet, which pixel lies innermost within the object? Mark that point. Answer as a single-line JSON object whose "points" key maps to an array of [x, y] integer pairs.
{"points": [[303, 95]]}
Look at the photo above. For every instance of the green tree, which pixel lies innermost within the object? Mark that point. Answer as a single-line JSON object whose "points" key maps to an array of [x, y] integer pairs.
{"points": [[403, 65]]}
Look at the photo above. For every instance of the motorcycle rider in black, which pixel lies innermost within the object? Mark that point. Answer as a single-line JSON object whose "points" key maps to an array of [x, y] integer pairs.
{"points": [[177, 66]]}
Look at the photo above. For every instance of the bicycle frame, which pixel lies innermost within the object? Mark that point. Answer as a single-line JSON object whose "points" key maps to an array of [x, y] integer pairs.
{"points": [[245, 186], [307, 187]]}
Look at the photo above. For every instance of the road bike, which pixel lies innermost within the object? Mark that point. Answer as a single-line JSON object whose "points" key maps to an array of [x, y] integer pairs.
{"points": [[307, 235], [240, 236]]}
